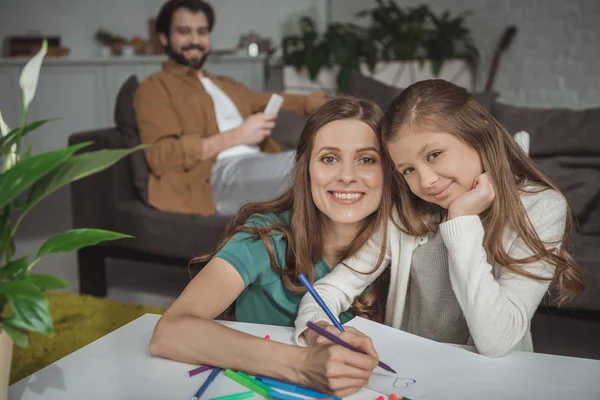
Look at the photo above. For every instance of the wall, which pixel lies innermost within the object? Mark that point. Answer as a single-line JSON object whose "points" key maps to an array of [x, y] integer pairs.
{"points": [[77, 21], [554, 60]]}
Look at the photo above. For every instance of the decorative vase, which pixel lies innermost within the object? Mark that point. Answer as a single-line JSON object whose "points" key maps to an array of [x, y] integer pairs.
{"points": [[6, 347]]}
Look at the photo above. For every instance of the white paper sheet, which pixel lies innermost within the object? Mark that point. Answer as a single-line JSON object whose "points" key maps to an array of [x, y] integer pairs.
{"points": [[431, 370]]}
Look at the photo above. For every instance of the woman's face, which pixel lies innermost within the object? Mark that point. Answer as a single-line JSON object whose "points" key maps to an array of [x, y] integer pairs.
{"points": [[346, 174]]}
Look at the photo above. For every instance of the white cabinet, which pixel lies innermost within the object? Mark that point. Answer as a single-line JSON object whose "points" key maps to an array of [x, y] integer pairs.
{"points": [[81, 94]]}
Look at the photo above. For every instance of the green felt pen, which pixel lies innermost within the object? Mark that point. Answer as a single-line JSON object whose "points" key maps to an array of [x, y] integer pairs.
{"points": [[237, 396], [246, 382], [255, 381]]}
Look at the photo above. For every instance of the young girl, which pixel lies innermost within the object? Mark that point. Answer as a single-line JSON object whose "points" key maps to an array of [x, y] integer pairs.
{"points": [[337, 200], [480, 233]]}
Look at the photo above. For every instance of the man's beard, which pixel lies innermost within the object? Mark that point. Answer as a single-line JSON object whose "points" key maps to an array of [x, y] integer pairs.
{"points": [[179, 58]]}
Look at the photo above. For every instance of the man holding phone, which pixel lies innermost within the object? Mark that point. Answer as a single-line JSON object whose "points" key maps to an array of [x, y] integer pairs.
{"points": [[210, 135]]}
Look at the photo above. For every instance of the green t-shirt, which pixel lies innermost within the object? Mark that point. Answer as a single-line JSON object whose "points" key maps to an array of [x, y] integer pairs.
{"points": [[265, 300]]}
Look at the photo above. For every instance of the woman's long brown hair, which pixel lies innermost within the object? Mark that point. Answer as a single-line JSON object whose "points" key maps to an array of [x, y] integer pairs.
{"points": [[439, 106], [304, 233]]}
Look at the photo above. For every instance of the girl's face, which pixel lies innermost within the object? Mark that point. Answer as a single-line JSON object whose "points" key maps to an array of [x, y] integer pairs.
{"points": [[437, 166], [346, 175]]}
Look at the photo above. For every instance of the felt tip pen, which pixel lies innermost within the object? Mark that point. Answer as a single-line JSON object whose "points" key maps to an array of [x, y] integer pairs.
{"points": [[320, 301], [206, 383], [237, 396], [290, 387], [246, 382]]}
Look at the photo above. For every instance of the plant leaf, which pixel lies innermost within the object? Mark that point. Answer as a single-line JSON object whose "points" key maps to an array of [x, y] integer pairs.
{"points": [[27, 172], [29, 305], [7, 244], [47, 282], [75, 168], [29, 76], [16, 269], [75, 239], [13, 135], [19, 336]]}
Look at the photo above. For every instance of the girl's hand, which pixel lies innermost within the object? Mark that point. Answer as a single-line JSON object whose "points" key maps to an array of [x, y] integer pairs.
{"points": [[475, 201], [334, 369]]}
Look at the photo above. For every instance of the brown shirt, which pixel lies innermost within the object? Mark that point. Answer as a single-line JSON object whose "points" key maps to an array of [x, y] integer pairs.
{"points": [[175, 114]]}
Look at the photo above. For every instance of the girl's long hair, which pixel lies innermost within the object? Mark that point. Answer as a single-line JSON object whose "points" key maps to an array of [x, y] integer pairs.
{"points": [[439, 106], [304, 234]]}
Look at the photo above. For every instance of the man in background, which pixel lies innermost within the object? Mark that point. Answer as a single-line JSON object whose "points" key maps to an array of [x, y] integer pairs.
{"points": [[212, 150]]}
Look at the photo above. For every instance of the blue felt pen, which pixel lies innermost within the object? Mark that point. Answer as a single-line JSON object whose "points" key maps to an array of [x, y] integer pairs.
{"points": [[289, 387], [207, 382], [320, 301], [282, 396]]}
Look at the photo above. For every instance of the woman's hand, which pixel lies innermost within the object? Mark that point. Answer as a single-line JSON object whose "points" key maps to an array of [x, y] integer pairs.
{"points": [[334, 369], [475, 201]]}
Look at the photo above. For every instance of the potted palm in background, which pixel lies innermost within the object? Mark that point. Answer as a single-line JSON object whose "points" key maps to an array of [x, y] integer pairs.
{"points": [[25, 180]]}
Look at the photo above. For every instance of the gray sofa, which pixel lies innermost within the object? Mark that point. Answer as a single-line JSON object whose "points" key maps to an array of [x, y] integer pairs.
{"points": [[564, 143]]}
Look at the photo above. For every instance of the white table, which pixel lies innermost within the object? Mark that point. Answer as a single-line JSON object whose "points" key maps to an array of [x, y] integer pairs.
{"points": [[118, 366]]}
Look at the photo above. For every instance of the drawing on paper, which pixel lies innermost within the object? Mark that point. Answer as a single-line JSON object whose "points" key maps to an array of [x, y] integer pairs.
{"points": [[402, 383]]}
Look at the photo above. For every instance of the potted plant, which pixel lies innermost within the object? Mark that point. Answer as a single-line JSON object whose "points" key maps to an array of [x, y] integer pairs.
{"points": [[344, 47], [419, 34], [25, 180], [394, 40]]}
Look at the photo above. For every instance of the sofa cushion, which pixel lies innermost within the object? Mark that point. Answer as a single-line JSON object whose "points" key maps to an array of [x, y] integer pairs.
{"points": [[288, 128], [126, 123], [365, 87], [564, 145], [554, 131], [383, 94]]}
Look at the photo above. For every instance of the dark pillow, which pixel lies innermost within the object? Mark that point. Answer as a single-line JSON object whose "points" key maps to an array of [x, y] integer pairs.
{"points": [[369, 88], [287, 129], [486, 99], [383, 94], [565, 147], [126, 123], [553, 131]]}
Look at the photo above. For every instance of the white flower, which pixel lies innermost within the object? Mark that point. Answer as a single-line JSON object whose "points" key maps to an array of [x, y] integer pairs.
{"points": [[31, 72], [11, 158], [523, 140]]}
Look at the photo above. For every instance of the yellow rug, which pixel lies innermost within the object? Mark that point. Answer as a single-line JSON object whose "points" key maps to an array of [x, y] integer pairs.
{"points": [[78, 321]]}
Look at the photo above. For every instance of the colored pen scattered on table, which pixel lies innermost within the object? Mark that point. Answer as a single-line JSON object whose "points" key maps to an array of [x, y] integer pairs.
{"points": [[320, 302], [246, 382], [237, 396], [337, 340], [197, 371], [290, 387], [206, 383]]}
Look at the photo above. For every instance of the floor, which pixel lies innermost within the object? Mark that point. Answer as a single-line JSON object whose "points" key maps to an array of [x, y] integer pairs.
{"points": [[130, 282]]}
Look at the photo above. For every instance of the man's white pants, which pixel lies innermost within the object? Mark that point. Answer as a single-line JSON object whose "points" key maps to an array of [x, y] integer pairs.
{"points": [[251, 177]]}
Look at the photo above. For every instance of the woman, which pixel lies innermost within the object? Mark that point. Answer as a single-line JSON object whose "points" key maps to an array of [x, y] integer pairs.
{"points": [[337, 201]]}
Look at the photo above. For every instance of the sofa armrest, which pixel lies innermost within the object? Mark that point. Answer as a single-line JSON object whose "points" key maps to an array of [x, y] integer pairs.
{"points": [[94, 198], [109, 138]]}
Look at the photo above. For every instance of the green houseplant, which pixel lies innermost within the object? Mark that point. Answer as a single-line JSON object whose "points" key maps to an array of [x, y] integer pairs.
{"points": [[344, 46], [392, 34], [25, 180], [417, 33]]}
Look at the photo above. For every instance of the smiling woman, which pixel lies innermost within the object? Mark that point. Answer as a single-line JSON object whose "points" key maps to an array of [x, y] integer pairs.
{"points": [[336, 202]]}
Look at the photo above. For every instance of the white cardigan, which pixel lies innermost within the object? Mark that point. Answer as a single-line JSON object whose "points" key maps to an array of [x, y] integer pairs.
{"points": [[497, 304]]}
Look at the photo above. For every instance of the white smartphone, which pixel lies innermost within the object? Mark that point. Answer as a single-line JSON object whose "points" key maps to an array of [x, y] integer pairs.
{"points": [[274, 104]]}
